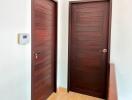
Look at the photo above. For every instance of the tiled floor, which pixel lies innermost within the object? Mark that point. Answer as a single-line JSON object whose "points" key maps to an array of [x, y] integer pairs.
{"points": [[63, 95]]}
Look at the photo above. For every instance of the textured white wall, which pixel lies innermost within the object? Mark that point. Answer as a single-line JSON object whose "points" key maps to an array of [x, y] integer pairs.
{"points": [[15, 60], [121, 47]]}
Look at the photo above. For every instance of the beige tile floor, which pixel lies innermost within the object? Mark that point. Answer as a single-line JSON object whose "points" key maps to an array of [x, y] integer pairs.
{"points": [[63, 95]]}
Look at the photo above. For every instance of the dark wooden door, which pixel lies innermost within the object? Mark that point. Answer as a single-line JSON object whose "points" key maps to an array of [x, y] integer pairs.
{"points": [[44, 32], [88, 47]]}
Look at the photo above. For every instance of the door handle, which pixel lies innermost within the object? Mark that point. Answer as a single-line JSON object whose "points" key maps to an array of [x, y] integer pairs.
{"points": [[36, 54], [104, 50]]}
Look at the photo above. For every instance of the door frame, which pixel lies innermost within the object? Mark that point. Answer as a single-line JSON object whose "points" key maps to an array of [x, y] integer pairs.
{"points": [[55, 56], [108, 39]]}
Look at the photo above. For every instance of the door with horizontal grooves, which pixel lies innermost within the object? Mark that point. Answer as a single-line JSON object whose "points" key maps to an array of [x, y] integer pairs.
{"points": [[44, 37], [89, 47]]}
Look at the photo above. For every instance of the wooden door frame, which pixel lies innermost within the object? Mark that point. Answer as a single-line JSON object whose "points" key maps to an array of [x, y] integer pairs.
{"points": [[55, 58], [108, 39]]}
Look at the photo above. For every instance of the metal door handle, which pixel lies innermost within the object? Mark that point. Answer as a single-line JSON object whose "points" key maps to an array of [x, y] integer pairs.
{"points": [[36, 54], [104, 50]]}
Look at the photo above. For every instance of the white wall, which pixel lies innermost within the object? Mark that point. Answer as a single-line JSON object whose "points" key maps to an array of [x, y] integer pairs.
{"points": [[15, 66], [62, 43], [121, 47]]}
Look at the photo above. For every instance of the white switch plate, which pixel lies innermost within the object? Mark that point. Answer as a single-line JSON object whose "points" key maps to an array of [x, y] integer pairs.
{"points": [[23, 38]]}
